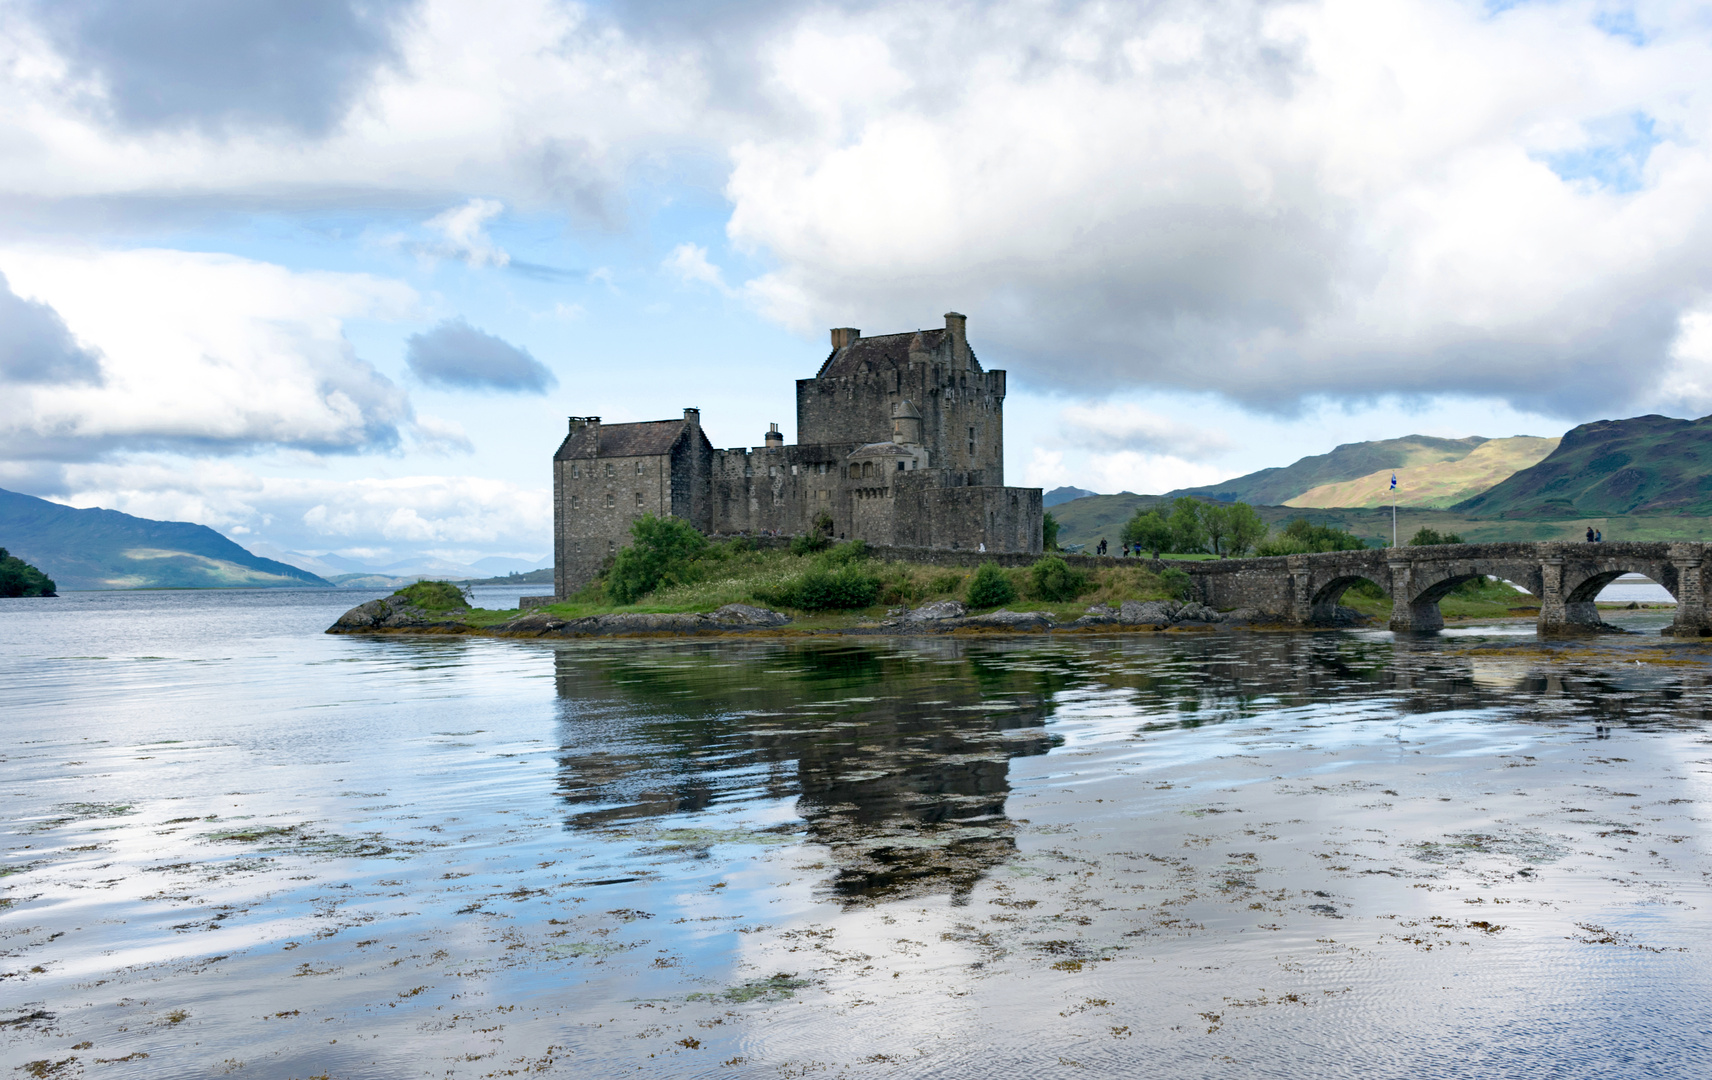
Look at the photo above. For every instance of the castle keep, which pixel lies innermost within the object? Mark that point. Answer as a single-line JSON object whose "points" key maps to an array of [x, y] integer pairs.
{"points": [[900, 441]]}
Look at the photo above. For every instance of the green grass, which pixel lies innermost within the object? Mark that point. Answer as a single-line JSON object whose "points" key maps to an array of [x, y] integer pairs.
{"points": [[1491, 600], [734, 576]]}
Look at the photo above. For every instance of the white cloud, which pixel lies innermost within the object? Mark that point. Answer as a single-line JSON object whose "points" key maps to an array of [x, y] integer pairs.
{"points": [[1113, 426], [200, 350], [318, 513], [465, 231], [688, 262]]}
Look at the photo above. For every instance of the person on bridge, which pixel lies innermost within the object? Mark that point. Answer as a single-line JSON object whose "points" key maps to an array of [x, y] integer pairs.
{"points": [[1590, 534], [1599, 536]]}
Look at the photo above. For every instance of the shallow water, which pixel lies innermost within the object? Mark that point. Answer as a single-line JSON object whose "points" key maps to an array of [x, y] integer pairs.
{"points": [[239, 846]]}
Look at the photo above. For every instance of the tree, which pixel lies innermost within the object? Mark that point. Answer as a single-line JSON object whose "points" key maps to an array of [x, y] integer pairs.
{"points": [[1188, 532], [1246, 528], [1149, 532], [1301, 537], [662, 551], [1048, 532], [1215, 522]]}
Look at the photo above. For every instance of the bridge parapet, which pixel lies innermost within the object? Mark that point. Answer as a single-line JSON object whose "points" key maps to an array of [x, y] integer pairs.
{"points": [[1565, 577]]}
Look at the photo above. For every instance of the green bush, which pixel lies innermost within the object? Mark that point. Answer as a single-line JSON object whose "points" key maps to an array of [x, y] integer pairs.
{"points": [[1429, 537], [19, 578], [809, 543], [990, 587], [1048, 532], [823, 588], [846, 554], [1302, 538], [945, 584], [1181, 585], [662, 551], [434, 595], [1052, 579]]}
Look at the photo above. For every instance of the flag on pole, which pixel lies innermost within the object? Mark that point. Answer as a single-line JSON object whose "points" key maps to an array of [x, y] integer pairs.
{"points": [[1393, 481]]}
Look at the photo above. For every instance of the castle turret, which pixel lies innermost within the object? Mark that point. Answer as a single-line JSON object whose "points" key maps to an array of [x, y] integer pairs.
{"points": [[906, 424], [775, 438], [957, 326]]}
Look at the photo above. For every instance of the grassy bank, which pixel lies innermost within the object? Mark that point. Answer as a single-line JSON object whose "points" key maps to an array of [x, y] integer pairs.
{"points": [[731, 573], [1477, 600]]}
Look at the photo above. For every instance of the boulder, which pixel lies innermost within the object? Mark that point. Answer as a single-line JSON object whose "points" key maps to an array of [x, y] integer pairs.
{"points": [[937, 610], [396, 613], [1149, 612], [745, 615], [1008, 620]]}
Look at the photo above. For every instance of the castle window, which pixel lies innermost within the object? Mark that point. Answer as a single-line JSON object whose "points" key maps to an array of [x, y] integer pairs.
{"points": [[638, 499], [575, 502], [577, 547], [900, 466], [639, 468], [576, 470], [610, 469], [612, 545], [610, 501]]}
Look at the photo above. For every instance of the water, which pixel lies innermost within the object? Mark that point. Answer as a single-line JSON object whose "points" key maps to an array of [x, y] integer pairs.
{"points": [[236, 845]]}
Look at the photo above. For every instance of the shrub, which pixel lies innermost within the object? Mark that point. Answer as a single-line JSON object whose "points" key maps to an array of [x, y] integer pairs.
{"points": [[990, 587], [1301, 538], [809, 543], [662, 551], [1048, 532], [1181, 585], [822, 588], [1429, 537], [1053, 579], [434, 595], [846, 554]]}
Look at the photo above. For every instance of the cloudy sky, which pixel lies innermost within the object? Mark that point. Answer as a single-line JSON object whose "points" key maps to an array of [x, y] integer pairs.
{"points": [[329, 274]]}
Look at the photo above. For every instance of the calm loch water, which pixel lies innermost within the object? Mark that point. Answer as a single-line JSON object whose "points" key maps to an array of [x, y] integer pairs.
{"points": [[237, 846]]}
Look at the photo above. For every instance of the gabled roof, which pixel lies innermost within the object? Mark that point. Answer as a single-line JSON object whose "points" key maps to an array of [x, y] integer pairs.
{"points": [[884, 353], [882, 449], [651, 438]]}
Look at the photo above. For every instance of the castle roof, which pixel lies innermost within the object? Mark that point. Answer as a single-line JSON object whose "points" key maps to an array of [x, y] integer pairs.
{"points": [[651, 438], [882, 449], [884, 353]]}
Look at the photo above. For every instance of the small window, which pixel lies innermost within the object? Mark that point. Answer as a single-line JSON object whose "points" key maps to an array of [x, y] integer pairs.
{"points": [[900, 466], [612, 545], [638, 499], [575, 502], [638, 468], [576, 470], [610, 470], [610, 501]]}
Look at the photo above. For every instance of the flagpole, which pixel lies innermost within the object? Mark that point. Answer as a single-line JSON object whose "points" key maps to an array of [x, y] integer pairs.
{"points": [[1393, 508]]}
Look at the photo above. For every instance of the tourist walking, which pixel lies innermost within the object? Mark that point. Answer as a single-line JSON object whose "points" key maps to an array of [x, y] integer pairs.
{"points": [[1590, 534]]}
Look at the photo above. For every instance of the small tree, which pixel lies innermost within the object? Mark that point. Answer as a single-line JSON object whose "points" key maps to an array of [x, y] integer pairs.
{"points": [[1188, 531], [1246, 528], [990, 587], [1149, 532], [662, 551], [1048, 532], [1215, 522]]}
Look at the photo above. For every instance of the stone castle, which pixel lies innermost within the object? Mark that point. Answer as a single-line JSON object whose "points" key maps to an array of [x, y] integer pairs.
{"points": [[900, 442]]}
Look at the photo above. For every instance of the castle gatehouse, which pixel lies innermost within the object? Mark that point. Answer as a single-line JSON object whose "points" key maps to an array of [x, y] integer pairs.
{"points": [[900, 441]]}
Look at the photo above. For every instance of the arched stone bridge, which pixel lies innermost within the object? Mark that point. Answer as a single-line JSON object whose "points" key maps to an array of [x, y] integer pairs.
{"points": [[1564, 577]]}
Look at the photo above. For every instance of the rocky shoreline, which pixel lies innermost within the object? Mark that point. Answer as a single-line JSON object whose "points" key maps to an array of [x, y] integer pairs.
{"points": [[396, 615]]}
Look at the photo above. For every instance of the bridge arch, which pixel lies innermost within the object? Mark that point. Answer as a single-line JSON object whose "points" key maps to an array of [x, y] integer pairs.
{"points": [[1324, 601]]}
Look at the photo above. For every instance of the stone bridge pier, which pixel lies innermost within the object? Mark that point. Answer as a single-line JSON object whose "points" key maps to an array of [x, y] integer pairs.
{"points": [[1565, 578]]}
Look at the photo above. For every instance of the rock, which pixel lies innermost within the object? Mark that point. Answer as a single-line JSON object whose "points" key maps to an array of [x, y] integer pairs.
{"points": [[1194, 612], [362, 617], [396, 613], [1008, 620], [745, 615], [937, 610], [533, 623], [1149, 612], [1102, 609]]}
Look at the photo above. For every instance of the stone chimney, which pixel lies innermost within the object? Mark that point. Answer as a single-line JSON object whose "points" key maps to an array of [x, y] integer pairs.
{"points": [[580, 422], [958, 327], [775, 438], [844, 335], [692, 417]]}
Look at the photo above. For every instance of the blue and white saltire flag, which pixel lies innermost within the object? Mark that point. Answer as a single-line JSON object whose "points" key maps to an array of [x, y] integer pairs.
{"points": [[1393, 481]]}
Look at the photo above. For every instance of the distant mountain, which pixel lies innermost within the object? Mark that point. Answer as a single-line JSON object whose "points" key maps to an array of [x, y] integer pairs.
{"points": [[1065, 494], [1438, 484], [1646, 465], [343, 570], [104, 549], [1351, 461]]}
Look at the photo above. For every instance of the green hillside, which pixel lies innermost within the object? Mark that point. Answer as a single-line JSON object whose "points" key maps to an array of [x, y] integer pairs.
{"points": [[104, 549], [1648, 465], [1351, 461]]}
